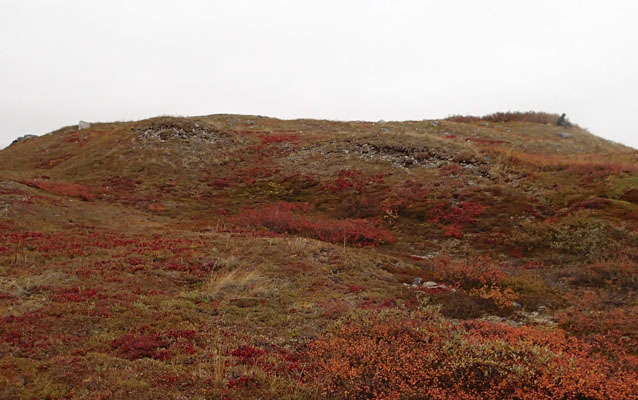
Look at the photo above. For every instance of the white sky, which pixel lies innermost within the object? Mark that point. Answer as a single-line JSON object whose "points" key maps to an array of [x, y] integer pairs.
{"points": [[63, 61]]}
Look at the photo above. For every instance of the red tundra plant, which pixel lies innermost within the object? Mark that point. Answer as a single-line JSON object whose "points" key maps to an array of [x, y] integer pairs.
{"points": [[352, 180], [247, 354], [134, 347], [450, 170], [422, 356], [154, 345], [461, 214], [280, 218], [454, 217], [367, 195], [63, 189], [281, 138], [242, 381], [75, 295], [404, 197], [468, 275]]}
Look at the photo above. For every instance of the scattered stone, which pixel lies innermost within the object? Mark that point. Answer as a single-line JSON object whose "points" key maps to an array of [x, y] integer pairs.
{"points": [[380, 121], [516, 305], [162, 131], [434, 123], [21, 138], [565, 135], [383, 130], [429, 286], [84, 125]]}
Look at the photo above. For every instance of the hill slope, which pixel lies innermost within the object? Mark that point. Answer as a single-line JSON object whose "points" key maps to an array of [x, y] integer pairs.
{"points": [[242, 256]]}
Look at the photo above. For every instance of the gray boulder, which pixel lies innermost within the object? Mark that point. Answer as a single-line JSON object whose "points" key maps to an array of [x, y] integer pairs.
{"points": [[21, 138]]}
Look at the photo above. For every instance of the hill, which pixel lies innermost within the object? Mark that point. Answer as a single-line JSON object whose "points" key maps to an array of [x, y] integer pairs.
{"points": [[230, 256]]}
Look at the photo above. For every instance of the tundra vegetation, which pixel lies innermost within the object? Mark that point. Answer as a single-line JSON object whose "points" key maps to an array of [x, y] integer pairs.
{"points": [[235, 257]]}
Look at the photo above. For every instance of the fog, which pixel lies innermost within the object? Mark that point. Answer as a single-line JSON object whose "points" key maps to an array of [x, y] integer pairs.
{"points": [[65, 61]]}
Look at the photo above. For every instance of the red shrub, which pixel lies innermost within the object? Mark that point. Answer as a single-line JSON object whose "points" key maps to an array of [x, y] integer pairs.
{"points": [[280, 218], [468, 276], [403, 197], [219, 183], [333, 309], [596, 203], [454, 231], [248, 354], [352, 180], [134, 347], [454, 217], [242, 381], [356, 289], [63, 189], [74, 294], [268, 139], [463, 213], [591, 173]]}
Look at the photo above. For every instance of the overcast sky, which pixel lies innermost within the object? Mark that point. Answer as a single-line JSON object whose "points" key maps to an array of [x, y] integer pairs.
{"points": [[63, 61]]}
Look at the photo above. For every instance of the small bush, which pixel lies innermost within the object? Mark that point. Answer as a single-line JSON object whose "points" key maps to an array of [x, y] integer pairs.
{"points": [[517, 116], [281, 218], [63, 189], [468, 276], [423, 357], [134, 347]]}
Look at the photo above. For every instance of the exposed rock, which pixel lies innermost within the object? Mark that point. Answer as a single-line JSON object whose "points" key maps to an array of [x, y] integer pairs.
{"points": [[429, 286], [565, 135], [21, 138], [84, 125], [163, 131]]}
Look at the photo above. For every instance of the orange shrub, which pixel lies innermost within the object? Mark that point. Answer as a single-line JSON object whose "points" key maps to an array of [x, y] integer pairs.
{"points": [[474, 275], [423, 357]]}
